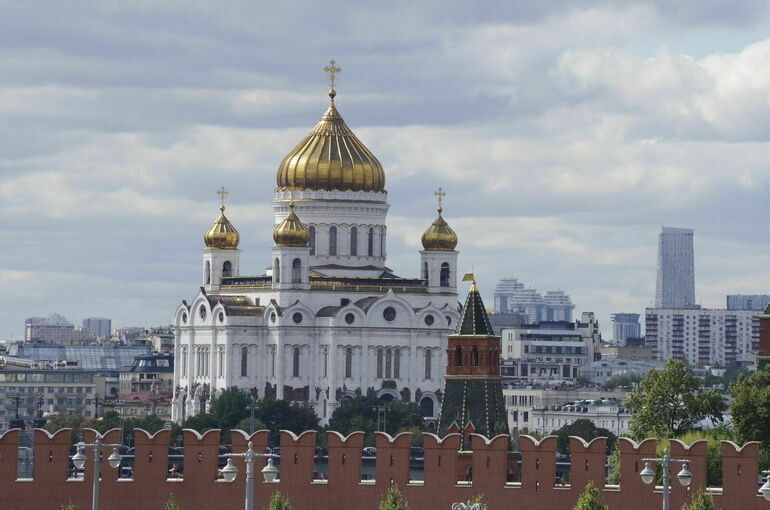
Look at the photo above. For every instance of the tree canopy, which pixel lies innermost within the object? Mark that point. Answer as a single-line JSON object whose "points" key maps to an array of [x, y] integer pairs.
{"points": [[360, 414], [584, 429], [671, 401], [750, 408], [589, 499], [394, 500]]}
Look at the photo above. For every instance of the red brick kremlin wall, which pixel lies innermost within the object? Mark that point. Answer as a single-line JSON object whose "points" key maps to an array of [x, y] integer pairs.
{"points": [[495, 472]]}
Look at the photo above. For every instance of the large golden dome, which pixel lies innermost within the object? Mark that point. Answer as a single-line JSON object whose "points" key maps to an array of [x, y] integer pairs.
{"points": [[439, 236], [222, 234], [331, 158], [291, 231]]}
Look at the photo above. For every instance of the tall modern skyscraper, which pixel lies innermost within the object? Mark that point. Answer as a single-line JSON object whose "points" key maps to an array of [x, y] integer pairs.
{"points": [[676, 269]]}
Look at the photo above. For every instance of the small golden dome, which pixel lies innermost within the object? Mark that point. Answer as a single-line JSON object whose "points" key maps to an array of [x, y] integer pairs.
{"points": [[439, 236], [331, 158], [222, 234], [291, 231]]}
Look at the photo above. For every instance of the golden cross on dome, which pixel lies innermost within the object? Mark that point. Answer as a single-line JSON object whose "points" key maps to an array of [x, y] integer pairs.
{"points": [[333, 70], [439, 196], [222, 194]]}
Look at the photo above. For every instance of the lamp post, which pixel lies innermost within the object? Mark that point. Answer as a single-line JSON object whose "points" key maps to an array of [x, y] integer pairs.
{"points": [[384, 411], [79, 459], [252, 407], [269, 472], [469, 506], [684, 476]]}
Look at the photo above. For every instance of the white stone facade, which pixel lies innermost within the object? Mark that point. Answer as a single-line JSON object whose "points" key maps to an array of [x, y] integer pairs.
{"points": [[328, 322]]}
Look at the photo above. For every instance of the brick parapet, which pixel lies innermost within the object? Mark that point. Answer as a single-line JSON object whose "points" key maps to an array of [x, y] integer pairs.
{"points": [[490, 464]]}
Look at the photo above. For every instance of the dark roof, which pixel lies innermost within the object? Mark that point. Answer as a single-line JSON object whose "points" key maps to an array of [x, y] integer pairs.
{"points": [[328, 311], [366, 303], [474, 320]]}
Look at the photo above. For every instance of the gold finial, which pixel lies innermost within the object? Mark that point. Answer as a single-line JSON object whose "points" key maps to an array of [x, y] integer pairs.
{"points": [[471, 277], [222, 194], [440, 198], [333, 70]]}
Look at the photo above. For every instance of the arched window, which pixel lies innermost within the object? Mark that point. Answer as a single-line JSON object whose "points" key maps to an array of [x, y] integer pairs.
{"points": [[388, 363], [295, 363], [296, 271], [382, 242], [458, 356], [425, 271], [207, 275], [184, 362], [370, 242], [276, 271], [397, 363], [244, 361], [475, 356], [227, 268], [312, 239], [426, 407], [445, 274], [353, 240], [332, 240], [379, 363], [428, 356], [349, 362]]}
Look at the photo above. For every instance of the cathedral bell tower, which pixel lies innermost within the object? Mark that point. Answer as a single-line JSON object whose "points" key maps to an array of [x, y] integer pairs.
{"points": [[473, 395], [221, 256], [438, 260], [291, 253]]}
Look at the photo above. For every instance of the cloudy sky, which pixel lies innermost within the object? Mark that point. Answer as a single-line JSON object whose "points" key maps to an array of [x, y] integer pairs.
{"points": [[564, 132]]}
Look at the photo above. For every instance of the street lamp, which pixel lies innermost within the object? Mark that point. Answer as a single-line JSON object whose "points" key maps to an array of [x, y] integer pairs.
{"points": [[684, 476], [469, 506], [230, 471], [79, 459]]}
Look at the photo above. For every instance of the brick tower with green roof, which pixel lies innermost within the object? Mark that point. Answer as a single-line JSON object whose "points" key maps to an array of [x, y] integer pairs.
{"points": [[473, 396]]}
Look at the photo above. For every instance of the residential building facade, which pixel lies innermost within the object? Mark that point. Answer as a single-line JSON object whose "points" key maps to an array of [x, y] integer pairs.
{"points": [[99, 327], [625, 326], [755, 302], [702, 336]]}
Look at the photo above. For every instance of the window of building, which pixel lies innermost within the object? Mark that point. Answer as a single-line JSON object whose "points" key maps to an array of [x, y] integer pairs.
{"points": [[475, 356], [296, 271], [425, 271], [458, 356], [397, 364], [379, 363], [370, 242], [354, 241], [277, 271], [295, 363], [244, 361], [428, 355], [445, 274], [227, 268], [349, 362], [208, 272], [333, 241], [388, 363], [311, 229], [382, 242]]}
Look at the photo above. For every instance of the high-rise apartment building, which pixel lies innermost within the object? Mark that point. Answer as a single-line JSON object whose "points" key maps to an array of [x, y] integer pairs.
{"points": [[676, 269], [702, 336], [101, 328], [756, 302], [625, 326], [512, 297], [54, 329]]}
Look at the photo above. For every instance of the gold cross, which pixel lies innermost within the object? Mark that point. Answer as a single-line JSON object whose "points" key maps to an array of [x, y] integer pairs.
{"points": [[222, 194], [333, 70], [440, 196]]}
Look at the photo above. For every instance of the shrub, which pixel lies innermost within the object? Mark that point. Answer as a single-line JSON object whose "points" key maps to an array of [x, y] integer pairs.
{"points": [[279, 502], [171, 503], [394, 500], [70, 506], [700, 501], [589, 499]]}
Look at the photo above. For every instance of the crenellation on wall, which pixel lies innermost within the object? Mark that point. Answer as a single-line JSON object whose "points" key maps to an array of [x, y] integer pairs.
{"points": [[490, 463]]}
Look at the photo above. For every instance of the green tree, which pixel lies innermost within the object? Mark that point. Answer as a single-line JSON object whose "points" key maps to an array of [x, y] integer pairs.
{"points": [[62, 421], [394, 500], [278, 415], [584, 429], [245, 424], [360, 414], [750, 408], [230, 407], [700, 501], [171, 503], [70, 506], [278, 502], [589, 499], [671, 401], [200, 422], [614, 462]]}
